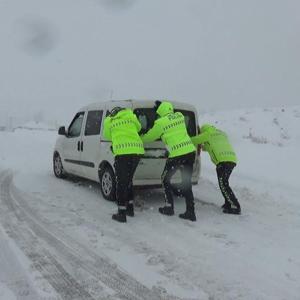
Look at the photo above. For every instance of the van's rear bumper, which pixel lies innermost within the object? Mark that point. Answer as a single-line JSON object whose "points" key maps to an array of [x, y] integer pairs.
{"points": [[148, 184]]}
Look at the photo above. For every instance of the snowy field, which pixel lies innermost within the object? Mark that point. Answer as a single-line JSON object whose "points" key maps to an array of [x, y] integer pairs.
{"points": [[57, 239]]}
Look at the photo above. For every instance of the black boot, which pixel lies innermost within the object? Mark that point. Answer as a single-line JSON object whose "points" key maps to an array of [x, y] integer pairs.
{"points": [[232, 210], [120, 216], [130, 210], [188, 215], [166, 210], [226, 205]]}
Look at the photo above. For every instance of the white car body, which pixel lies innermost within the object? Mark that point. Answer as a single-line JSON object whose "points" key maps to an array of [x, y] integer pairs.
{"points": [[87, 153]]}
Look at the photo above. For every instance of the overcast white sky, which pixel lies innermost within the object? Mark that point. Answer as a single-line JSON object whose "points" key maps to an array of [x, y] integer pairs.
{"points": [[57, 55]]}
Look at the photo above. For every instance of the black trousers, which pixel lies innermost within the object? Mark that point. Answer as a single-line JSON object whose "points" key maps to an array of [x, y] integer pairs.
{"points": [[125, 166], [183, 163], [224, 170]]}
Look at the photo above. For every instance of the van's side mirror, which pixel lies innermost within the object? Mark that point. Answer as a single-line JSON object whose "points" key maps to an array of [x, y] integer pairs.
{"points": [[62, 130]]}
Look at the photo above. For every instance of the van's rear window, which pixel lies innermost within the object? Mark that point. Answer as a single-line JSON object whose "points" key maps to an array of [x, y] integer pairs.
{"points": [[147, 117]]}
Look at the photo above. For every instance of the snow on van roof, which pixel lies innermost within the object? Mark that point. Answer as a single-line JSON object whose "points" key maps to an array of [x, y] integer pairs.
{"points": [[133, 103]]}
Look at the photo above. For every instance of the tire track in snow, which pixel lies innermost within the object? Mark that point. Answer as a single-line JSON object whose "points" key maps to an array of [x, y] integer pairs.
{"points": [[79, 256], [15, 223]]}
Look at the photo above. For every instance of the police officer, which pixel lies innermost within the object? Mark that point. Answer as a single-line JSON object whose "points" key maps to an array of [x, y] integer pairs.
{"points": [[216, 143], [171, 128], [122, 127]]}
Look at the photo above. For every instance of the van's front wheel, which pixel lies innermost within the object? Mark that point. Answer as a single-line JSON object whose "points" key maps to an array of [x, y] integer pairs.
{"points": [[108, 183]]}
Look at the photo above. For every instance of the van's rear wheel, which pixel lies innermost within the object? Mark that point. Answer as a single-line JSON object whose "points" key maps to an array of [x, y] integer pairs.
{"points": [[108, 184], [58, 168]]}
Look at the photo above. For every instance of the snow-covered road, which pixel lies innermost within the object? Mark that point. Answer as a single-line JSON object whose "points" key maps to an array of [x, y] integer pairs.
{"points": [[58, 240], [45, 245]]}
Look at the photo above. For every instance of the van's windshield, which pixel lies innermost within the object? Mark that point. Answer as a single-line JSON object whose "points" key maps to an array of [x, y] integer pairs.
{"points": [[147, 117]]}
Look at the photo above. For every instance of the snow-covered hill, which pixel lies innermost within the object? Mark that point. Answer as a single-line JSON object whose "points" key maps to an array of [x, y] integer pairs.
{"points": [[277, 126], [57, 235]]}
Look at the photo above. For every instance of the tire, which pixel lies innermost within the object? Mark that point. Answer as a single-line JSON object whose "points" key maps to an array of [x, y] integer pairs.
{"points": [[58, 168], [108, 183]]}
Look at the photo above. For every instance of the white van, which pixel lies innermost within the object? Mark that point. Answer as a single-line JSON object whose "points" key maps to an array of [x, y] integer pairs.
{"points": [[81, 149]]}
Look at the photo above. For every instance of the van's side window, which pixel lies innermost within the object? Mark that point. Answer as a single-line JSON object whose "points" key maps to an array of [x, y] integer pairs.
{"points": [[93, 122], [75, 126]]}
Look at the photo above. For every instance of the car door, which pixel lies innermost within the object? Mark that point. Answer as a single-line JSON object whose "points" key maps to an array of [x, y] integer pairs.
{"points": [[72, 145], [153, 161], [91, 146]]}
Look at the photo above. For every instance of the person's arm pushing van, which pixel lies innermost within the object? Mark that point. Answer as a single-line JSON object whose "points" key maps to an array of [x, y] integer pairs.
{"points": [[200, 139], [153, 134]]}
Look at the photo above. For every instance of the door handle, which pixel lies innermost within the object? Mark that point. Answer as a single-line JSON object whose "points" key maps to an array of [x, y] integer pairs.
{"points": [[78, 146], [81, 147]]}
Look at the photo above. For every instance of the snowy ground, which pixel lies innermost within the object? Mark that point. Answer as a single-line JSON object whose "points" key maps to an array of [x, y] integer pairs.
{"points": [[57, 240]]}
